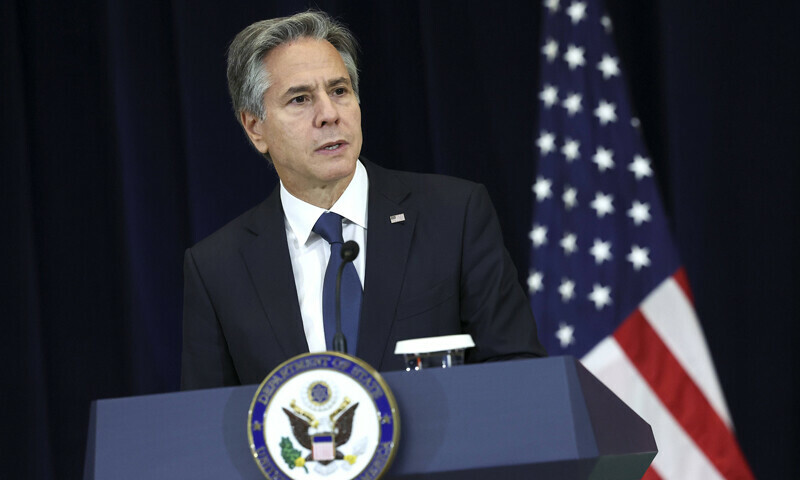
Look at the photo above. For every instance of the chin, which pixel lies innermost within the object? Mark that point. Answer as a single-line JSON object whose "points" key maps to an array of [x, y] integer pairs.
{"points": [[347, 164], [337, 169]]}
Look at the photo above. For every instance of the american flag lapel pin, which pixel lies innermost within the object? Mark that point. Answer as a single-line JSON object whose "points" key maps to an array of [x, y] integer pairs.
{"points": [[400, 217]]}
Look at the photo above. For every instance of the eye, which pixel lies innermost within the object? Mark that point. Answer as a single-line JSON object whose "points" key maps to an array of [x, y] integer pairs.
{"points": [[340, 91], [299, 100]]}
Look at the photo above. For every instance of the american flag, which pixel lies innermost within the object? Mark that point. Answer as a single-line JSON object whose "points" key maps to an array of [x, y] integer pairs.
{"points": [[605, 281]]}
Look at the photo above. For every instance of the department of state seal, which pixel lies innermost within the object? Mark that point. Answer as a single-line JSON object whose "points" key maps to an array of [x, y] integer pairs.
{"points": [[323, 415]]}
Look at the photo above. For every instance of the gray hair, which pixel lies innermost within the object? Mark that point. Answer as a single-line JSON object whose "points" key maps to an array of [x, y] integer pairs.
{"points": [[248, 78]]}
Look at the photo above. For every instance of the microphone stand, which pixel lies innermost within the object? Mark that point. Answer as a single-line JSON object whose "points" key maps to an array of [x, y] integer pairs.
{"points": [[349, 253]]}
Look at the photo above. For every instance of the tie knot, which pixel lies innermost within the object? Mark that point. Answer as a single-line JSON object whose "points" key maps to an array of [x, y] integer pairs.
{"points": [[329, 227]]}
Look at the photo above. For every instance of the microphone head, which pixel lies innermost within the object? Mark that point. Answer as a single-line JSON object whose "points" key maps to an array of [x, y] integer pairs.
{"points": [[349, 251]]}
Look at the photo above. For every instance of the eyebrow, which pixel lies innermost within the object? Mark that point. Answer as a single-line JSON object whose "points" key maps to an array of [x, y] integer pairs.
{"points": [[291, 91], [338, 81]]}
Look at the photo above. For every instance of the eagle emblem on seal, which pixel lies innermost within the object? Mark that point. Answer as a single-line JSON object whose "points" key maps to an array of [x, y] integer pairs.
{"points": [[322, 436]]}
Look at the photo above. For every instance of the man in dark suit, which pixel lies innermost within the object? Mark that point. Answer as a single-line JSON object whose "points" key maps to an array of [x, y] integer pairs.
{"points": [[434, 265]]}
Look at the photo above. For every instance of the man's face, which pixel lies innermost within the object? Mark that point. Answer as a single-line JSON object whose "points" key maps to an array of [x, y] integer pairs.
{"points": [[312, 129]]}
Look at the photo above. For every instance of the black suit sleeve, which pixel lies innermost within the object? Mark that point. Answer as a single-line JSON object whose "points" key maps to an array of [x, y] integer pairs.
{"points": [[494, 307], [205, 360]]}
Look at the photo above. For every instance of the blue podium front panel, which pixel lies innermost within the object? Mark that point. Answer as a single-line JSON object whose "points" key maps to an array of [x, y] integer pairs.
{"points": [[548, 418]]}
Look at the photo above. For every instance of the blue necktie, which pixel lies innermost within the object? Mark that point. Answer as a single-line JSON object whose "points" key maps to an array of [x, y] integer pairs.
{"points": [[329, 227]]}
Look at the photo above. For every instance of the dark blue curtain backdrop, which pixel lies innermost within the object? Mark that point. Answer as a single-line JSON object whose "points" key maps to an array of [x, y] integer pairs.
{"points": [[119, 150]]}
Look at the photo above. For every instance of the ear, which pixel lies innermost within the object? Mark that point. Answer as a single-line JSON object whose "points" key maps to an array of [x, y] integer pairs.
{"points": [[254, 128]]}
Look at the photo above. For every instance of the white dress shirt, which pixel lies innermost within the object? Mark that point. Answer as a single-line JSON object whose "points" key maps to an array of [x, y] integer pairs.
{"points": [[309, 252]]}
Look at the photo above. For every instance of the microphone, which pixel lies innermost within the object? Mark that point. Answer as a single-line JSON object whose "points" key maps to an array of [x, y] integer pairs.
{"points": [[349, 253]]}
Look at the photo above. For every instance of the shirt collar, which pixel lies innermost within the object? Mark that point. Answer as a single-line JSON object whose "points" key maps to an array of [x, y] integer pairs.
{"points": [[352, 205]]}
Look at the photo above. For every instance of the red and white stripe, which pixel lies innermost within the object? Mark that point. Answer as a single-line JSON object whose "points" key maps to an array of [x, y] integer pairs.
{"points": [[658, 363]]}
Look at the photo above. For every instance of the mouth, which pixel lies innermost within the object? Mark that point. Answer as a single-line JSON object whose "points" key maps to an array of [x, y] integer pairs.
{"points": [[332, 146]]}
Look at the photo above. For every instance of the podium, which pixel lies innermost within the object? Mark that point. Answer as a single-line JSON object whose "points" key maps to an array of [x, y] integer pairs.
{"points": [[529, 419]]}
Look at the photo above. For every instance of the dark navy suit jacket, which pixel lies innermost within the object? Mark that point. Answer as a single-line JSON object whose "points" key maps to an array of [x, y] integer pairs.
{"points": [[444, 270]]}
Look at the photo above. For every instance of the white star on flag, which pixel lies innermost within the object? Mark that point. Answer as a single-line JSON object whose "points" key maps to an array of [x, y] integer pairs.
{"points": [[639, 257], [538, 235], [605, 21], [566, 289], [577, 12], [606, 112], [535, 282], [549, 95], [550, 50], [600, 296], [546, 142], [569, 242], [571, 149], [565, 334], [573, 103], [542, 188], [639, 212], [609, 66], [640, 167], [601, 251], [551, 5], [569, 197], [603, 204], [603, 158], [574, 57]]}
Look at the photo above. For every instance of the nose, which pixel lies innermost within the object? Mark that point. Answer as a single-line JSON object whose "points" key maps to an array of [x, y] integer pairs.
{"points": [[327, 112]]}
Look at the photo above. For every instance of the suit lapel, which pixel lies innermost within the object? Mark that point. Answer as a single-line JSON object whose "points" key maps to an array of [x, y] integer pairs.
{"points": [[387, 251], [267, 260]]}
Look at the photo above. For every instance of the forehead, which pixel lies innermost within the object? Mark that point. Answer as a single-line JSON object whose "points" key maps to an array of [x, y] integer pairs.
{"points": [[304, 60]]}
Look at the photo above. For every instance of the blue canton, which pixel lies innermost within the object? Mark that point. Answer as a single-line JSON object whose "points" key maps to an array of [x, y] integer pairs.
{"points": [[600, 242]]}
